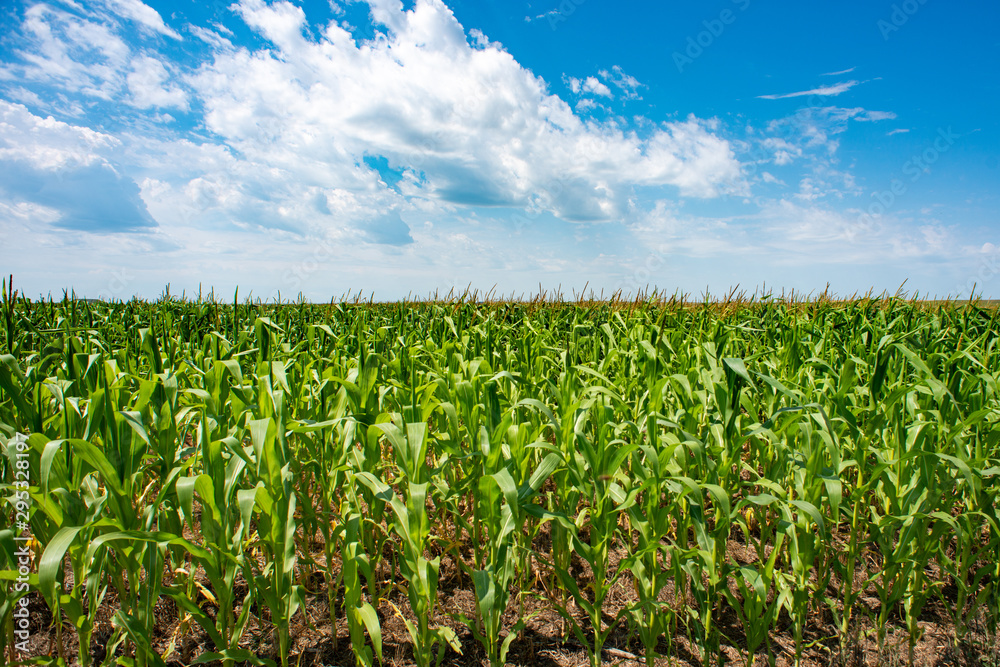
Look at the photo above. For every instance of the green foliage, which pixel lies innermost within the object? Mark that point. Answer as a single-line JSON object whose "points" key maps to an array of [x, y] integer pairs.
{"points": [[646, 439]]}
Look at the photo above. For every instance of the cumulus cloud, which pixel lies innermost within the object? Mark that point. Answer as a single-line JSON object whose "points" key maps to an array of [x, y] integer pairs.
{"points": [[48, 144], [94, 198], [51, 165], [464, 123], [592, 85], [307, 156], [455, 117], [148, 83], [626, 83], [82, 52], [74, 53]]}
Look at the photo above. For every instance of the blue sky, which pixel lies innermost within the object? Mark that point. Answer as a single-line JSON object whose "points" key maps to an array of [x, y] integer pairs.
{"points": [[405, 148]]}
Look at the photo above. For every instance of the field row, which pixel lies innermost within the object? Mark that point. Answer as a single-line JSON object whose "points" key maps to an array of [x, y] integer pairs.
{"points": [[786, 464]]}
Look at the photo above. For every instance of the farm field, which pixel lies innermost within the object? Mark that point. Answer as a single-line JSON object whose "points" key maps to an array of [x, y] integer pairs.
{"points": [[536, 483]]}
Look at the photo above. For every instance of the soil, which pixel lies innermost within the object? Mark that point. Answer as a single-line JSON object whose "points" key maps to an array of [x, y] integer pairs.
{"points": [[546, 641]]}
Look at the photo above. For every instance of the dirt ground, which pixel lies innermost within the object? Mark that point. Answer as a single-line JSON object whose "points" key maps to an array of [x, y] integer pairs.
{"points": [[545, 642]]}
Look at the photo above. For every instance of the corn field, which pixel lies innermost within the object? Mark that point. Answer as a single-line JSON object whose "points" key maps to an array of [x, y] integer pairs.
{"points": [[759, 482]]}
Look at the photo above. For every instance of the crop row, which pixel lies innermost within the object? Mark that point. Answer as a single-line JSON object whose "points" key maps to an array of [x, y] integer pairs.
{"points": [[177, 449]]}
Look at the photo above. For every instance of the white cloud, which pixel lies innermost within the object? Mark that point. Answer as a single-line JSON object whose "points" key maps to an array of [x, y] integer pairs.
{"points": [[148, 84], [326, 160], [48, 144], [783, 151], [53, 165], [864, 115], [592, 85], [25, 96], [85, 53], [851, 237], [459, 123], [76, 6], [664, 230], [835, 89], [843, 71], [546, 15], [795, 235], [627, 83], [463, 124], [210, 37], [27, 214], [206, 185], [814, 128], [808, 190], [137, 11], [75, 54], [900, 130]]}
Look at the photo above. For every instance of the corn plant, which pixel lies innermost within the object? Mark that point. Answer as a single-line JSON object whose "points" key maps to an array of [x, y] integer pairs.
{"points": [[361, 616], [274, 505], [224, 524], [847, 447], [412, 526], [501, 516], [651, 520], [596, 470], [72, 501]]}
